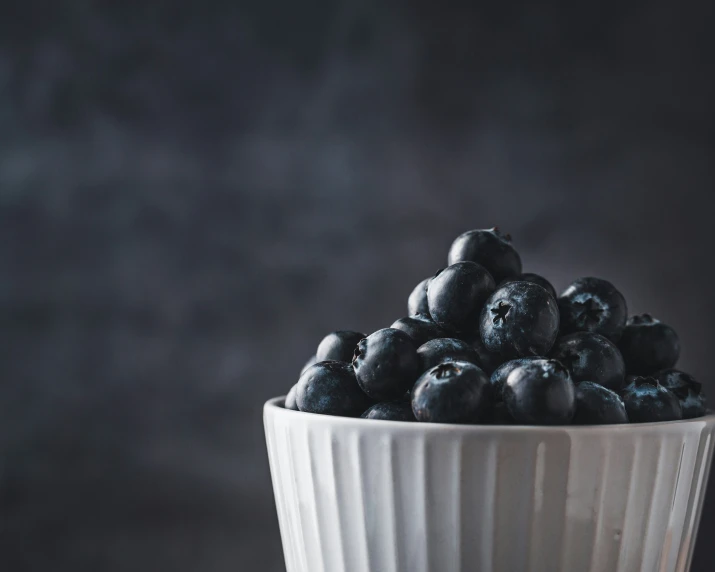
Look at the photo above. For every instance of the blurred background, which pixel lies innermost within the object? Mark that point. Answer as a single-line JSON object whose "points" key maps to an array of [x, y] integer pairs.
{"points": [[193, 194]]}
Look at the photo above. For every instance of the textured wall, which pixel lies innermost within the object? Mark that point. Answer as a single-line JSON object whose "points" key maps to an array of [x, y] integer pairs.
{"points": [[191, 196]]}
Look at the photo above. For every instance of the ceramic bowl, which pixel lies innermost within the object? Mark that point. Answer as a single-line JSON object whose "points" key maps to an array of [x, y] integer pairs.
{"points": [[357, 495]]}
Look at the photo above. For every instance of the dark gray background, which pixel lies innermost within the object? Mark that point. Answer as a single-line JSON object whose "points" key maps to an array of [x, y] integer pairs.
{"points": [[192, 195]]}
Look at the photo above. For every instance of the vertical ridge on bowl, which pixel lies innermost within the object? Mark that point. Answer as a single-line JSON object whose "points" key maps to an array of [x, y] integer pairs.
{"points": [[659, 509], [629, 534], [338, 520], [593, 529], [356, 503], [705, 454], [391, 507], [355, 495]]}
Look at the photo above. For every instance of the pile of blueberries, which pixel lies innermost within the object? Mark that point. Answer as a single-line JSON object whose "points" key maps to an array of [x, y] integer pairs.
{"points": [[486, 344]]}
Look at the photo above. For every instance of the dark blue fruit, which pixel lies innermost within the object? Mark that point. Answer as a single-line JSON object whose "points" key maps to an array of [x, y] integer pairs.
{"points": [[500, 415], [596, 405], [500, 374], [687, 389], [534, 279], [648, 345], [420, 327], [386, 364], [290, 402], [540, 392], [440, 350], [488, 361], [338, 346], [648, 401], [452, 392], [490, 249], [310, 362], [456, 296], [593, 305], [520, 319], [417, 302], [591, 357], [391, 411], [330, 388]]}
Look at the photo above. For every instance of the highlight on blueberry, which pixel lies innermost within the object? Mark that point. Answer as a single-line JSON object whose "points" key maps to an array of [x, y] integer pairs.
{"points": [[330, 388], [520, 319], [391, 411], [439, 350], [500, 374], [417, 301], [452, 392], [687, 389], [489, 248], [312, 360], [386, 364], [648, 345], [597, 405], [540, 392], [647, 401], [534, 279], [290, 402], [338, 346], [457, 294], [591, 357], [420, 327], [593, 305]]}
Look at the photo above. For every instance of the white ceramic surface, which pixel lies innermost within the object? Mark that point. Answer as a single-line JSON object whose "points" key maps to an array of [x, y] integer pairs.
{"points": [[357, 495]]}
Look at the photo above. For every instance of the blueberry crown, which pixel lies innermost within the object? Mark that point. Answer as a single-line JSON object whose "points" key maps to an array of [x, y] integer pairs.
{"points": [[359, 349], [642, 319], [641, 380], [446, 369], [587, 312], [496, 232], [555, 367], [500, 313]]}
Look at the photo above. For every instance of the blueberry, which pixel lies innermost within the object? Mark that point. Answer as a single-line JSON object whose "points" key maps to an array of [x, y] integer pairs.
{"points": [[456, 296], [338, 346], [391, 411], [330, 388], [490, 249], [452, 392], [488, 361], [687, 389], [500, 415], [417, 302], [540, 392], [534, 279], [590, 357], [290, 402], [500, 374], [310, 362], [439, 350], [386, 364], [648, 345], [593, 305], [648, 401], [420, 327], [597, 405], [520, 319]]}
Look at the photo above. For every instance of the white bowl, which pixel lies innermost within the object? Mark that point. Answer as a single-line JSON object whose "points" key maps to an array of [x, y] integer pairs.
{"points": [[357, 495]]}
